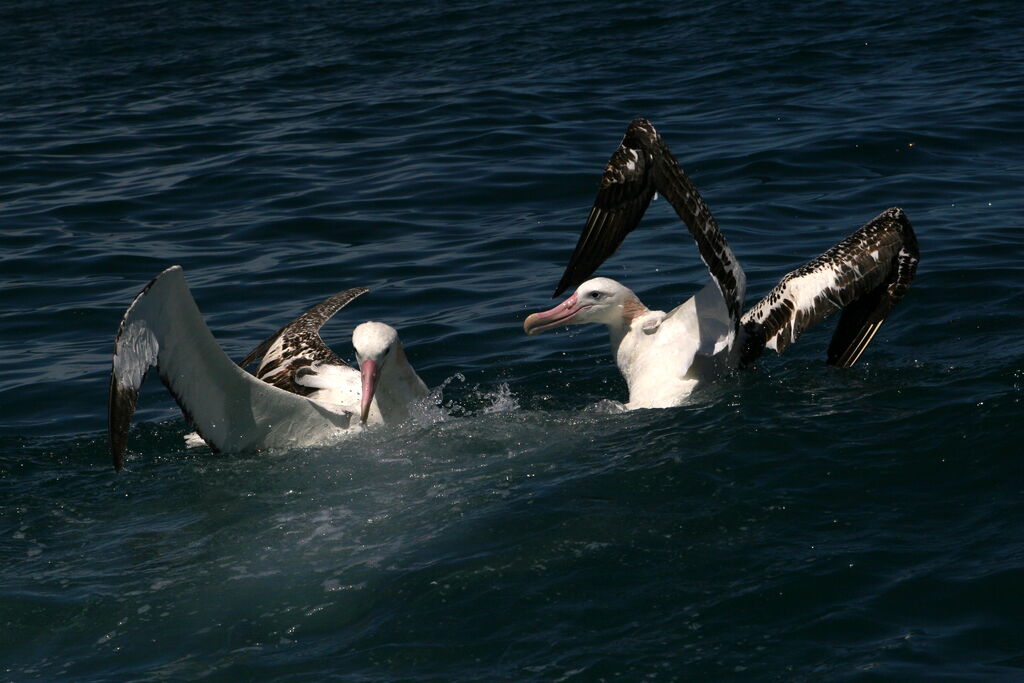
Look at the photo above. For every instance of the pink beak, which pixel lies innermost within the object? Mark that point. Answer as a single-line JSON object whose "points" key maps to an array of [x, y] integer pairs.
{"points": [[561, 314], [370, 373]]}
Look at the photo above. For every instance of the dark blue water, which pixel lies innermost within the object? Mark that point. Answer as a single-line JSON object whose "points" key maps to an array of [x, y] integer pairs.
{"points": [[794, 524]]}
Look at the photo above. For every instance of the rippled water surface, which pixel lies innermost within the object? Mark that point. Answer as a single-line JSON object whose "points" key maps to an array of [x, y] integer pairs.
{"points": [[794, 523]]}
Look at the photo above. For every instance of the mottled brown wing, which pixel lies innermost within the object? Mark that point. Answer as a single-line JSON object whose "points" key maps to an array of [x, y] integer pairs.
{"points": [[865, 276], [298, 345]]}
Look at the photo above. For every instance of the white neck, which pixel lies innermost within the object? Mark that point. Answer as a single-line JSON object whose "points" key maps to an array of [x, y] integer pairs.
{"points": [[663, 356], [398, 386], [617, 331], [627, 333], [631, 344]]}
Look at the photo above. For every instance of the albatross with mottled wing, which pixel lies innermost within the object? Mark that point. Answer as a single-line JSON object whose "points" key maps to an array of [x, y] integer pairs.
{"points": [[302, 393], [663, 356]]}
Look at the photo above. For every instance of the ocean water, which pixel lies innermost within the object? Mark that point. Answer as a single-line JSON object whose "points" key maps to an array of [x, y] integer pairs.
{"points": [[792, 523]]}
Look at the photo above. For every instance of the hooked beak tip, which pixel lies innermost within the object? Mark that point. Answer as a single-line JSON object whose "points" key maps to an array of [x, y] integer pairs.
{"points": [[562, 314], [530, 326]]}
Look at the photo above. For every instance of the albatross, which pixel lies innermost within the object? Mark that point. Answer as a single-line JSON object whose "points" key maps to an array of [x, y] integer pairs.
{"points": [[664, 356], [302, 393]]}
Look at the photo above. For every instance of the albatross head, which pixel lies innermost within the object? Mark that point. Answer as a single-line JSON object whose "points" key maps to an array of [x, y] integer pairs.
{"points": [[375, 344], [600, 300]]}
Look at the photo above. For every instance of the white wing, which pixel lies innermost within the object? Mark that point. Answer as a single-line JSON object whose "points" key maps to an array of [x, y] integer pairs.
{"points": [[231, 409]]}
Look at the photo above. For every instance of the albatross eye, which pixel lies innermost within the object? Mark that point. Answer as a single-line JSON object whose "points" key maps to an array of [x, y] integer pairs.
{"points": [[595, 295]]}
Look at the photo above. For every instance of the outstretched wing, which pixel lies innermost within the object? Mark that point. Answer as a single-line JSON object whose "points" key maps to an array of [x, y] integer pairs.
{"points": [[231, 409], [865, 275], [623, 196], [641, 166], [298, 345]]}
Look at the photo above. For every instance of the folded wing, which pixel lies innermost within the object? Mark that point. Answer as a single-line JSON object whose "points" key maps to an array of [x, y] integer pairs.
{"points": [[292, 351]]}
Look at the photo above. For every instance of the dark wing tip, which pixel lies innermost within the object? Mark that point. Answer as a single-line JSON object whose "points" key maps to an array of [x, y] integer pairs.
{"points": [[862, 319], [563, 284], [121, 405], [310, 321], [857, 326], [641, 125], [624, 192], [121, 399], [315, 317], [866, 294], [897, 214]]}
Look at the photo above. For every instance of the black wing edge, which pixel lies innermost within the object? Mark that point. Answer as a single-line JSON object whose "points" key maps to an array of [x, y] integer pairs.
{"points": [[120, 408], [121, 400], [624, 193], [672, 181]]}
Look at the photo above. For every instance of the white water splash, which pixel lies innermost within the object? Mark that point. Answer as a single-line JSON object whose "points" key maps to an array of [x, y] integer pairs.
{"points": [[502, 400], [607, 406]]}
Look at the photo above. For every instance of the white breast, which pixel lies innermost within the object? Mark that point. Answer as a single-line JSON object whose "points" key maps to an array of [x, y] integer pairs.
{"points": [[664, 356]]}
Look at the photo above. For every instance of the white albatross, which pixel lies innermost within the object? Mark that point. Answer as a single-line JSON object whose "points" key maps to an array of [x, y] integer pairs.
{"points": [[663, 356], [302, 393]]}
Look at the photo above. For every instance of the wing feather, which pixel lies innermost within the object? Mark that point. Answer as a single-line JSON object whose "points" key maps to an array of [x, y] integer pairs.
{"points": [[625, 191], [298, 345], [231, 409], [865, 275], [641, 166]]}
